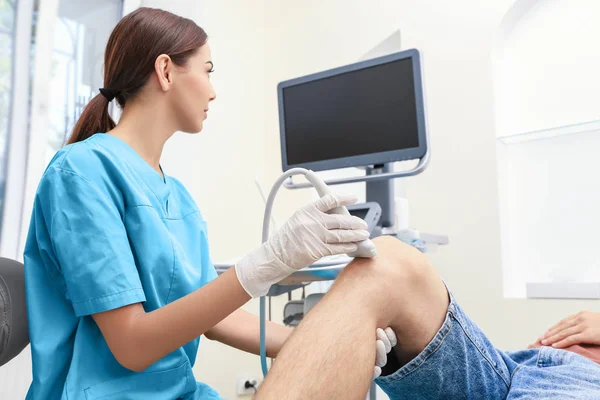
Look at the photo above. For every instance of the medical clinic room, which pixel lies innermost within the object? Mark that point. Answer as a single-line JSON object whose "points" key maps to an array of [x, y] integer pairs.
{"points": [[321, 200]]}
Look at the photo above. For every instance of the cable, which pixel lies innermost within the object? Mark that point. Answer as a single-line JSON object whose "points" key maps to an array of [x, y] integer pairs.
{"points": [[270, 319], [273, 226], [265, 237], [264, 199], [263, 345]]}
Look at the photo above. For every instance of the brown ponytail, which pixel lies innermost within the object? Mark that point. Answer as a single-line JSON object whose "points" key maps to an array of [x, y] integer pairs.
{"points": [[94, 118], [135, 43]]}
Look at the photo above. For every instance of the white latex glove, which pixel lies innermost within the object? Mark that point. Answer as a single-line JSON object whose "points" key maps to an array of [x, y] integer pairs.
{"points": [[384, 343], [309, 235]]}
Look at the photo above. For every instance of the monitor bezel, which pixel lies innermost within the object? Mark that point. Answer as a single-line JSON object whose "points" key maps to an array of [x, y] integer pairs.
{"points": [[364, 159]]}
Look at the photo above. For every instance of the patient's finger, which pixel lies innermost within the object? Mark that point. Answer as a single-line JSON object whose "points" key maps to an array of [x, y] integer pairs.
{"points": [[569, 341], [564, 323], [561, 335]]}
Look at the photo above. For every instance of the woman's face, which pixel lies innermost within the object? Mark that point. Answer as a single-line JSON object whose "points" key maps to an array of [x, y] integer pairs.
{"points": [[192, 91]]}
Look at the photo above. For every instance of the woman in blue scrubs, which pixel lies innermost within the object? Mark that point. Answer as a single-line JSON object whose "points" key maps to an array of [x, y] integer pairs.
{"points": [[120, 285]]}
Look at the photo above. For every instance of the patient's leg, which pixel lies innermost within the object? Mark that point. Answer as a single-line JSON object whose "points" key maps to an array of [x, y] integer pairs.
{"points": [[331, 353]]}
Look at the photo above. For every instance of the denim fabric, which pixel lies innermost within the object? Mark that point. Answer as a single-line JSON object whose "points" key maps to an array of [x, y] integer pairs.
{"points": [[461, 363], [548, 373]]}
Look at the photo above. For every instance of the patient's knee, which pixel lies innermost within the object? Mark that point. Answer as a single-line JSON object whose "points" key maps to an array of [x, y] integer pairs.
{"points": [[395, 265], [399, 275], [400, 259]]}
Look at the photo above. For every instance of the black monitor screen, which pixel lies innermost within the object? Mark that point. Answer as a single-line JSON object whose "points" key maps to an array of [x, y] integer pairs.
{"points": [[367, 111]]}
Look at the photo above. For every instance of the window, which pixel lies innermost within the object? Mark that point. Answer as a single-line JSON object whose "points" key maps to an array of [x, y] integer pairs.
{"points": [[81, 32], [57, 67], [8, 11]]}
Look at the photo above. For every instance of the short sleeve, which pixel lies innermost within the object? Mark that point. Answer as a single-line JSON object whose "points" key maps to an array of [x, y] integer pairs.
{"points": [[90, 243]]}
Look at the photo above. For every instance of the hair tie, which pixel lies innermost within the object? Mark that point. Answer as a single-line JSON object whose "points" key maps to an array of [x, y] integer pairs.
{"points": [[108, 94]]}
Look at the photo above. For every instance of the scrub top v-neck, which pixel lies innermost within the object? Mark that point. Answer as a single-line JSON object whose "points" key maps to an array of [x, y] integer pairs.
{"points": [[107, 230]]}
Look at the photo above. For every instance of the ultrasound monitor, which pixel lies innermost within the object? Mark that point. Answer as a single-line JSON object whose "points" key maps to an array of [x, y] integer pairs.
{"points": [[367, 113]]}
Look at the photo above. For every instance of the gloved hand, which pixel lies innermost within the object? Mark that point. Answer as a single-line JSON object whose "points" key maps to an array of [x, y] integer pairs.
{"points": [[384, 343], [309, 235]]}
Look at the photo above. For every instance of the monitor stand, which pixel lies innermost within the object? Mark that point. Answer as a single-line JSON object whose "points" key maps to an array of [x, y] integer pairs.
{"points": [[382, 192]]}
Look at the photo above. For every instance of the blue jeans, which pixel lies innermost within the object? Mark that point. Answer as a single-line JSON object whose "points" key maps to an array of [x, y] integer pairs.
{"points": [[461, 363]]}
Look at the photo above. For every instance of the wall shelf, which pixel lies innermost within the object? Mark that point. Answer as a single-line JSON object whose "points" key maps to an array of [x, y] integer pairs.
{"points": [[573, 129], [563, 290]]}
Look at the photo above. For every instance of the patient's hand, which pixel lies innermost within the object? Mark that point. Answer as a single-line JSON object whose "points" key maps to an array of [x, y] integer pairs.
{"points": [[581, 328]]}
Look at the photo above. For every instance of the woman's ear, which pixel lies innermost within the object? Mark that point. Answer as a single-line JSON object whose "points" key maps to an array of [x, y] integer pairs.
{"points": [[163, 66]]}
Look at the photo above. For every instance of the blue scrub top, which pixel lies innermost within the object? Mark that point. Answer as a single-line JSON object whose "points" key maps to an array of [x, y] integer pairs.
{"points": [[107, 231]]}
